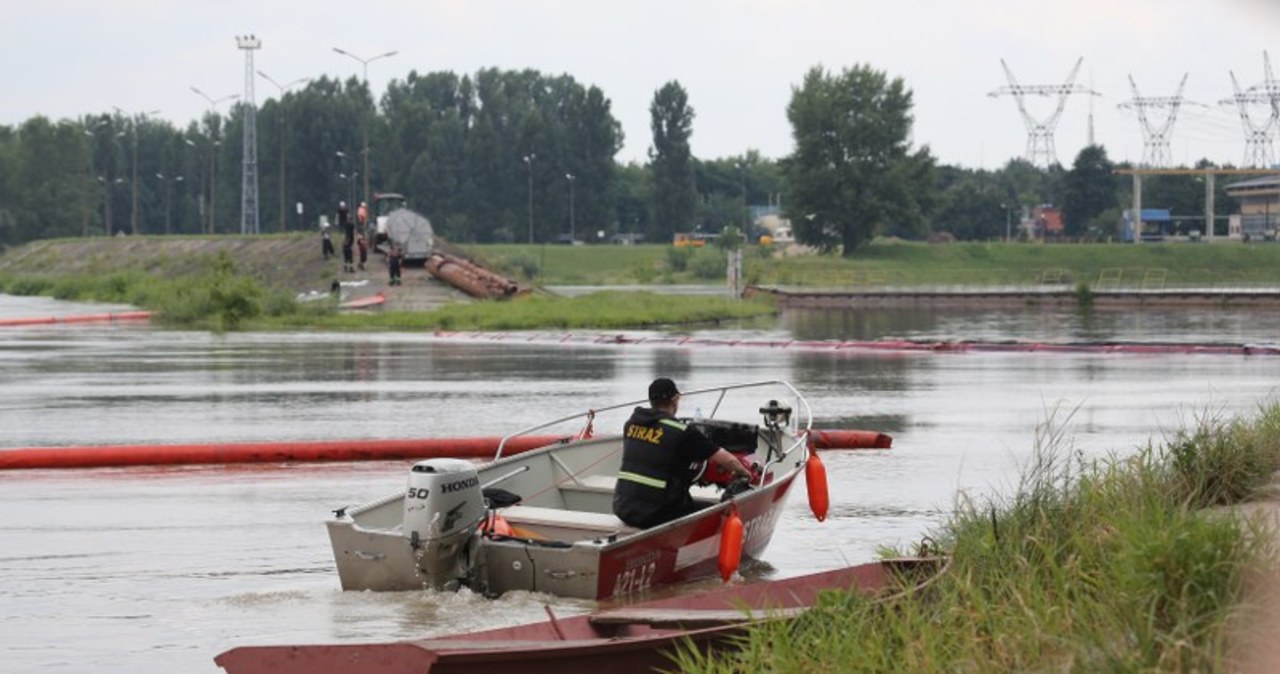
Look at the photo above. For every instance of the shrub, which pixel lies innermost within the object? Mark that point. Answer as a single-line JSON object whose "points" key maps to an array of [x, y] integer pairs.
{"points": [[678, 258], [709, 264]]}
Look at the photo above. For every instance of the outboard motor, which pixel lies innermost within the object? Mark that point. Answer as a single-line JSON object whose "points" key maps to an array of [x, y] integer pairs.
{"points": [[442, 509]]}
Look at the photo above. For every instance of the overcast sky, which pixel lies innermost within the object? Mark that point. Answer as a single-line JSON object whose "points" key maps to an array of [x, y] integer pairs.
{"points": [[738, 60]]}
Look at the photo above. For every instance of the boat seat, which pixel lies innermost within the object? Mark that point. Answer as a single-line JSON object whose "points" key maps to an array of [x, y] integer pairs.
{"points": [[604, 484], [564, 519], [600, 484]]}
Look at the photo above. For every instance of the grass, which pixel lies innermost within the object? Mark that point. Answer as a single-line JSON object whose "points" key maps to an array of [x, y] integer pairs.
{"points": [[896, 263], [215, 297], [1111, 566]]}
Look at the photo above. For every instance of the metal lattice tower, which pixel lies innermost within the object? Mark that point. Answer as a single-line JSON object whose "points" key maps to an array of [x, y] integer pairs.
{"points": [[1257, 137], [249, 187], [1040, 132], [1155, 141]]}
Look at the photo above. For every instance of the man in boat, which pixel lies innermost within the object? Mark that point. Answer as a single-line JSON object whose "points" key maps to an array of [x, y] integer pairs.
{"points": [[657, 450]]}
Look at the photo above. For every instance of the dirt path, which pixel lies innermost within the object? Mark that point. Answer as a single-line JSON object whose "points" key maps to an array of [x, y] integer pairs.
{"points": [[1255, 649]]}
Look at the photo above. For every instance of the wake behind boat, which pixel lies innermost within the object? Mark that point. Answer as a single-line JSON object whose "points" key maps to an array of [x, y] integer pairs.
{"points": [[542, 521]]}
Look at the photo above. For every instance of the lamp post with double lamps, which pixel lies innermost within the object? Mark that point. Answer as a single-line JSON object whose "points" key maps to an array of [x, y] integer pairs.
{"points": [[284, 129], [213, 151], [168, 190], [133, 164], [365, 63]]}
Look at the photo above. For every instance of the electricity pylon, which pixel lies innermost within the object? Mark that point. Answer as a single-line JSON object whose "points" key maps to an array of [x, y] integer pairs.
{"points": [[1040, 132], [1155, 141]]}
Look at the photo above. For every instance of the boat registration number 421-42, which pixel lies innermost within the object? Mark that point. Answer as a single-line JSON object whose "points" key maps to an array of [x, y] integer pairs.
{"points": [[635, 579]]}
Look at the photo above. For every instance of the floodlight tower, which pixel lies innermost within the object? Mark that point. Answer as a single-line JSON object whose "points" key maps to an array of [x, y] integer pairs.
{"points": [[1040, 132], [1155, 141], [249, 184]]}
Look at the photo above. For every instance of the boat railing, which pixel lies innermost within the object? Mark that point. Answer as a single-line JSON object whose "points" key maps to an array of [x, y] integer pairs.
{"points": [[800, 424]]}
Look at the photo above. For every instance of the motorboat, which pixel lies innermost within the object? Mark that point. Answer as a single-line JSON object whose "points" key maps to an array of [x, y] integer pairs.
{"points": [[637, 638], [542, 520]]}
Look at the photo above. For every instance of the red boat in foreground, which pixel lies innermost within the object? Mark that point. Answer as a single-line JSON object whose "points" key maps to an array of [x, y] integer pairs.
{"points": [[638, 637]]}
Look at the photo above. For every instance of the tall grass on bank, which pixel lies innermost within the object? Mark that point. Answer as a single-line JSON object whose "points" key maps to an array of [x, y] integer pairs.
{"points": [[217, 298], [1109, 566], [213, 296], [602, 310]]}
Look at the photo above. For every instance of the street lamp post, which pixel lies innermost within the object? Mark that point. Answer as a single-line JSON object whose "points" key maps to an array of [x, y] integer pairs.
{"points": [[284, 127], [569, 177], [90, 131], [528, 160], [742, 179], [1008, 222], [168, 189], [213, 152], [133, 165], [365, 63]]}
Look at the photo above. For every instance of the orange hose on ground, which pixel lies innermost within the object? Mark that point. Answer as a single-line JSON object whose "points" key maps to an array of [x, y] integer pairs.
{"points": [[848, 439], [80, 318], [264, 452]]}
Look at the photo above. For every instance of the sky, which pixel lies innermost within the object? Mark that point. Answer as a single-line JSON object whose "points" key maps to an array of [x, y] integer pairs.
{"points": [[739, 61]]}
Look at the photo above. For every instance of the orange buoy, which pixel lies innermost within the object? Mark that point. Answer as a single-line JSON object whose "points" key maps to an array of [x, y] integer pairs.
{"points": [[730, 545], [815, 478]]}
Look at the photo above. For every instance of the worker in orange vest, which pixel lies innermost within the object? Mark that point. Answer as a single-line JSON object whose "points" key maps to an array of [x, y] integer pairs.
{"points": [[362, 217]]}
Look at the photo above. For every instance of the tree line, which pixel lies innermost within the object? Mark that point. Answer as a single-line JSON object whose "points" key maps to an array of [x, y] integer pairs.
{"points": [[518, 156]]}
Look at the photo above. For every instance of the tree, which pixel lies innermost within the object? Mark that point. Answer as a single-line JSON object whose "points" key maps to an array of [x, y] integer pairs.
{"points": [[1090, 190], [853, 170], [671, 162]]}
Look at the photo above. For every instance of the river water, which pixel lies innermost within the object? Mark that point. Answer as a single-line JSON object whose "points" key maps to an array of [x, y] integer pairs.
{"points": [[160, 569]]}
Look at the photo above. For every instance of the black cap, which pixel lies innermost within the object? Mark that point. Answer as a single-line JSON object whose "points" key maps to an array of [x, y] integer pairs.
{"points": [[662, 390]]}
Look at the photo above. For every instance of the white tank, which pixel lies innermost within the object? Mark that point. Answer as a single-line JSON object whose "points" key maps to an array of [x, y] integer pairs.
{"points": [[443, 509]]}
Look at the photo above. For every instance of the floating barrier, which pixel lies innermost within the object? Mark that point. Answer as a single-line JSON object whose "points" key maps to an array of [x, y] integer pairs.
{"points": [[264, 452], [116, 456], [886, 345], [77, 318], [846, 439]]}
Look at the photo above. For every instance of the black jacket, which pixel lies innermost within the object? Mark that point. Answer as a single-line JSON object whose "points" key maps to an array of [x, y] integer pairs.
{"points": [[657, 452]]}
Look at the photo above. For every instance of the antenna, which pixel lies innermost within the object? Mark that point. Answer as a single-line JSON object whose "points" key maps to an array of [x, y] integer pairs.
{"points": [[249, 186], [1155, 140], [1040, 132]]}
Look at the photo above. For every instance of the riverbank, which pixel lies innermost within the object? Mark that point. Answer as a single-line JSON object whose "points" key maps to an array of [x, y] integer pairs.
{"points": [[287, 268], [1159, 562], [293, 262]]}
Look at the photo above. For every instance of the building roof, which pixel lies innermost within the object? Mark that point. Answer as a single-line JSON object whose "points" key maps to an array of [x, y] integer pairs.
{"points": [[1262, 182]]}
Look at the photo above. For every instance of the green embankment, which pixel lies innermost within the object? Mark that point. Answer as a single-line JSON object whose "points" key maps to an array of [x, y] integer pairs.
{"points": [[884, 263], [1128, 565], [237, 282]]}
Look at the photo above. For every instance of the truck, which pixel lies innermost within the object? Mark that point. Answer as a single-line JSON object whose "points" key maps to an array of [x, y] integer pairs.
{"points": [[397, 225]]}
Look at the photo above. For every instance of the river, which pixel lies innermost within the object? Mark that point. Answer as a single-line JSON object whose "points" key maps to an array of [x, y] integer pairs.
{"points": [[160, 569]]}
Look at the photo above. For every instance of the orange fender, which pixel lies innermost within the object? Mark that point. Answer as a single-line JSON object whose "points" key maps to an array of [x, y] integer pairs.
{"points": [[730, 545], [815, 478]]}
